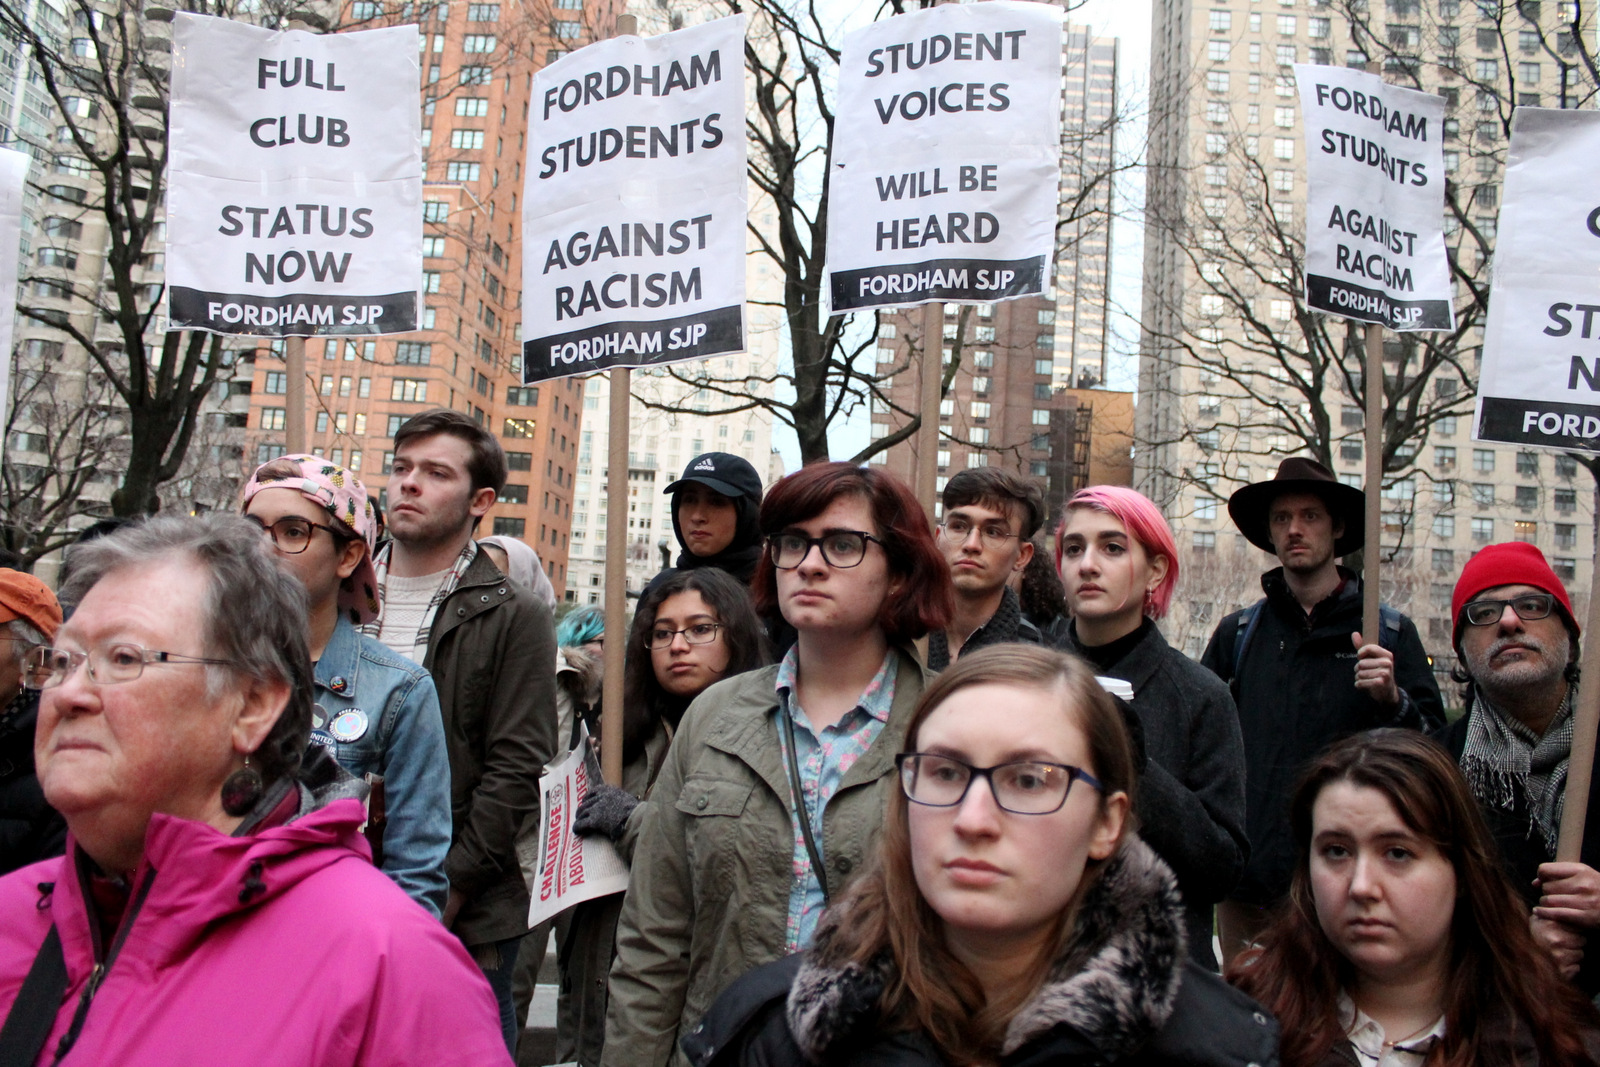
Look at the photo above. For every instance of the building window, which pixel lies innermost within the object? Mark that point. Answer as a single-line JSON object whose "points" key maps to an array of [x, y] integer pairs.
{"points": [[409, 390], [460, 172], [1483, 459], [1041, 417], [322, 422], [273, 418], [1444, 560], [1221, 21], [520, 428], [505, 526], [1283, 147], [1566, 466], [1444, 526], [478, 43], [1482, 494], [1444, 457], [277, 382], [1205, 541], [514, 494], [523, 397], [519, 461], [1350, 451], [1566, 569], [1566, 500], [468, 139], [1482, 531], [1205, 507]]}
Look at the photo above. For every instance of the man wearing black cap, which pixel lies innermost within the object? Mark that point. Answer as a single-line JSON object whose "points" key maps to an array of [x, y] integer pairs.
{"points": [[1302, 674], [714, 514]]}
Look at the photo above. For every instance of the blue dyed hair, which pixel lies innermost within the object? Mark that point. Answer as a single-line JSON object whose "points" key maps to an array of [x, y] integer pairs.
{"points": [[580, 627]]}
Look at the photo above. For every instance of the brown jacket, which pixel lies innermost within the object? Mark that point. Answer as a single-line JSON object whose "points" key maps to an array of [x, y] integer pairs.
{"points": [[492, 653]]}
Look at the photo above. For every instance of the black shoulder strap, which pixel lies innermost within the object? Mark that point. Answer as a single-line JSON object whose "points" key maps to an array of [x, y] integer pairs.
{"points": [[801, 812], [33, 1013]]}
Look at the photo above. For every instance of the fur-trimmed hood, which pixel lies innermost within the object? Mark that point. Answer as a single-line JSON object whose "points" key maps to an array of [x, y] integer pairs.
{"points": [[1115, 988]]}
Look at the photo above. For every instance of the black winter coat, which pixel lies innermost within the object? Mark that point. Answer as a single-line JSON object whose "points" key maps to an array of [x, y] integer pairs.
{"points": [[1296, 695], [30, 829], [1192, 785], [1130, 1000]]}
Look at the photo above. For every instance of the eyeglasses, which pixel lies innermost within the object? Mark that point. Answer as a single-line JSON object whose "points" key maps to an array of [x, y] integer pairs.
{"points": [[1024, 788], [292, 534], [958, 530], [46, 667], [701, 633], [840, 548], [1528, 607]]}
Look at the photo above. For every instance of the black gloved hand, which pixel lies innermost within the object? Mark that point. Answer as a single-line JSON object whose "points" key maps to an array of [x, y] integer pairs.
{"points": [[604, 810]]}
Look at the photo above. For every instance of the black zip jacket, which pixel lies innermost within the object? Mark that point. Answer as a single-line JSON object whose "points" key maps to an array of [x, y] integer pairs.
{"points": [[1296, 694]]}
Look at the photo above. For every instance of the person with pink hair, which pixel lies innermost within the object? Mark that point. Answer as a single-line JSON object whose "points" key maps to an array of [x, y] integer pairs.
{"points": [[1119, 566]]}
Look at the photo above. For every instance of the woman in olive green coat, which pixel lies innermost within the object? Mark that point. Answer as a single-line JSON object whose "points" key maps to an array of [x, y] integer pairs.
{"points": [[772, 792]]}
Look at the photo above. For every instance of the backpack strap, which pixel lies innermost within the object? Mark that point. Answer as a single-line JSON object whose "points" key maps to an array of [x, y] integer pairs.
{"points": [[1388, 627], [33, 1013], [1248, 618]]}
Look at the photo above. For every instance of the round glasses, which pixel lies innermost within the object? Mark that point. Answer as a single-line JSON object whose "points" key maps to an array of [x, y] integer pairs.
{"points": [[1528, 607], [292, 534], [701, 633], [46, 667], [1029, 787], [840, 548], [957, 531]]}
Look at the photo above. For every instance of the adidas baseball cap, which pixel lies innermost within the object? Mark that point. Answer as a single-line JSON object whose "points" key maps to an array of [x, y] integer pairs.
{"points": [[728, 474]]}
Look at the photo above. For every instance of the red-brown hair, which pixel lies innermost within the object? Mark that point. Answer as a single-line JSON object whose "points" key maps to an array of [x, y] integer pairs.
{"points": [[1496, 968], [927, 600]]}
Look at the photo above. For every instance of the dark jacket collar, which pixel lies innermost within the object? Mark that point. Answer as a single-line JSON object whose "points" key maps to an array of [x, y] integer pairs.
{"points": [[1006, 624], [1140, 663], [1345, 597]]}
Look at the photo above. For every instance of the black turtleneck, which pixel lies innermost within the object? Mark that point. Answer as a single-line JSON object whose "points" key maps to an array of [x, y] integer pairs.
{"points": [[1108, 655]]}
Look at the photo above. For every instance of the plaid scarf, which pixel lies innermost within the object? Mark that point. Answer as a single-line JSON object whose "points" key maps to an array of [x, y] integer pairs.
{"points": [[452, 579], [1506, 763]]}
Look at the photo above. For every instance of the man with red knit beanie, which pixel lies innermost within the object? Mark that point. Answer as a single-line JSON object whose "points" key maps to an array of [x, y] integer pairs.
{"points": [[1516, 643]]}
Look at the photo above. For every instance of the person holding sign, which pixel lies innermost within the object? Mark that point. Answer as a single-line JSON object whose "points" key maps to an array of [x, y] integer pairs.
{"points": [[774, 787], [1301, 673], [376, 713], [1403, 943], [1516, 640]]}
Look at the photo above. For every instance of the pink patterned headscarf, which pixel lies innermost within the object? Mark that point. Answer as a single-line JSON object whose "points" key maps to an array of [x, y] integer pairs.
{"points": [[340, 492]]}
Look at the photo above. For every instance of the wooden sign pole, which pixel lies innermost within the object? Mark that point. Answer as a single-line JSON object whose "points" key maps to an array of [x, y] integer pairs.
{"points": [[1371, 546]]}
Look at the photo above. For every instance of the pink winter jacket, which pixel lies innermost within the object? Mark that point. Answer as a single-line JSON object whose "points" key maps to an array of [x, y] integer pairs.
{"points": [[282, 947]]}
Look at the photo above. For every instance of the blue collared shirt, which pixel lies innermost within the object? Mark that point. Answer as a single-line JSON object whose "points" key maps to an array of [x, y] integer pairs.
{"points": [[824, 761], [379, 713]]}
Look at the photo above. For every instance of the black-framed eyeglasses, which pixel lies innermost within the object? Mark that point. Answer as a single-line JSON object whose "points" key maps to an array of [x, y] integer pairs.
{"points": [[292, 534], [701, 633], [1027, 787], [957, 530], [840, 548], [1529, 606], [46, 667]]}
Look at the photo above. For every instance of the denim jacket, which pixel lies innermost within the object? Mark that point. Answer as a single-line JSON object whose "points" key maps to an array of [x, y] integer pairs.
{"points": [[388, 709]]}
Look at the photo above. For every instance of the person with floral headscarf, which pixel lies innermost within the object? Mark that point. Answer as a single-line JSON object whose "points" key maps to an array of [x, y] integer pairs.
{"points": [[376, 712]]}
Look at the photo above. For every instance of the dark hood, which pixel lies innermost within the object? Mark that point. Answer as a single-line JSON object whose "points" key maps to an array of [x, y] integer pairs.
{"points": [[739, 558]]}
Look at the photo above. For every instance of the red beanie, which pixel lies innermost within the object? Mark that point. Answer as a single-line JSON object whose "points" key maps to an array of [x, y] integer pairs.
{"points": [[1515, 563]]}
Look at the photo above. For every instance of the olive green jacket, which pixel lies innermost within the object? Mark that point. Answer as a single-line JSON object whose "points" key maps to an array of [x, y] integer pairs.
{"points": [[709, 896]]}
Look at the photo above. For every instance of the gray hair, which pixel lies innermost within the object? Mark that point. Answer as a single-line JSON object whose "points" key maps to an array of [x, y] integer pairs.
{"points": [[253, 612], [25, 637]]}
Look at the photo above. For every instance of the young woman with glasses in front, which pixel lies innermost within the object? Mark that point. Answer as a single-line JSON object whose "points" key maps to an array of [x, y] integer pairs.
{"points": [[1010, 914], [773, 789]]}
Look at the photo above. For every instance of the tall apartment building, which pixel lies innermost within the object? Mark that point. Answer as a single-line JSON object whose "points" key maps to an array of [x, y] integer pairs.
{"points": [[478, 64], [1223, 326], [1028, 366]]}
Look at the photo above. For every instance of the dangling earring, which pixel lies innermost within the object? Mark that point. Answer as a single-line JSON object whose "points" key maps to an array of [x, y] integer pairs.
{"points": [[242, 790]]}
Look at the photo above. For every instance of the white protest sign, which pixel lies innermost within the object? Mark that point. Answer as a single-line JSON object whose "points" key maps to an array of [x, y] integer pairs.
{"points": [[295, 199], [13, 182], [634, 206], [1375, 204], [1539, 384], [946, 157], [572, 869]]}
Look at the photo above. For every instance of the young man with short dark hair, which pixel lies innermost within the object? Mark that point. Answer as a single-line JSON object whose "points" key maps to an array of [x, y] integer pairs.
{"points": [[990, 515], [490, 646]]}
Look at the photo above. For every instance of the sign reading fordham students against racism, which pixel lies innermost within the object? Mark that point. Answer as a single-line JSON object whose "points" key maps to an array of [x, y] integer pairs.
{"points": [[1539, 384], [295, 206], [13, 183], [634, 207], [571, 869], [946, 155], [1375, 207]]}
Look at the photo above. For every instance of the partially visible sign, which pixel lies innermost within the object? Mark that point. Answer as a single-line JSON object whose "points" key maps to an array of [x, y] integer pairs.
{"points": [[1375, 205], [295, 193], [13, 180], [1539, 383], [633, 225], [571, 869], [946, 157]]}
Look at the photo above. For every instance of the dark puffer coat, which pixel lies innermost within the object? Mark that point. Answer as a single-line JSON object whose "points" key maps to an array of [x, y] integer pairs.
{"points": [[1126, 995], [30, 829]]}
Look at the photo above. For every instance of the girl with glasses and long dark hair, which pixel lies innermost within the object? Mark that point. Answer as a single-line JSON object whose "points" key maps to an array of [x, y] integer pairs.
{"points": [[773, 789], [1010, 914]]}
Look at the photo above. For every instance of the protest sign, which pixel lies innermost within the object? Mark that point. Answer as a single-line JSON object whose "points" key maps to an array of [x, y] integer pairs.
{"points": [[572, 869], [946, 157], [295, 196], [1539, 383], [13, 181], [634, 204], [1375, 203]]}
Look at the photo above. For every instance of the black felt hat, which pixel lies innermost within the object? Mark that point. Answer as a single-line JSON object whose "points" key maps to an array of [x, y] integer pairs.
{"points": [[1251, 506]]}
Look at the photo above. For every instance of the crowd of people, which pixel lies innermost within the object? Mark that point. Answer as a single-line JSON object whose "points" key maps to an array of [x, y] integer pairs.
{"points": [[269, 787]]}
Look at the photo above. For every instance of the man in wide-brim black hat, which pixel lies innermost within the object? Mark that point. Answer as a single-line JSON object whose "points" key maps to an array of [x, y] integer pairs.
{"points": [[1301, 672]]}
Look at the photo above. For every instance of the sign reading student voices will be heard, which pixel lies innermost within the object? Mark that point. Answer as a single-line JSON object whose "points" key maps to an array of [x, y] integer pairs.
{"points": [[1539, 383], [946, 157], [1375, 206], [295, 199], [634, 205]]}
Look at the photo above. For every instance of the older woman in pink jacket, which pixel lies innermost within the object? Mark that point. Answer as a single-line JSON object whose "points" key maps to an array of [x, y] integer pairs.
{"points": [[217, 903]]}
